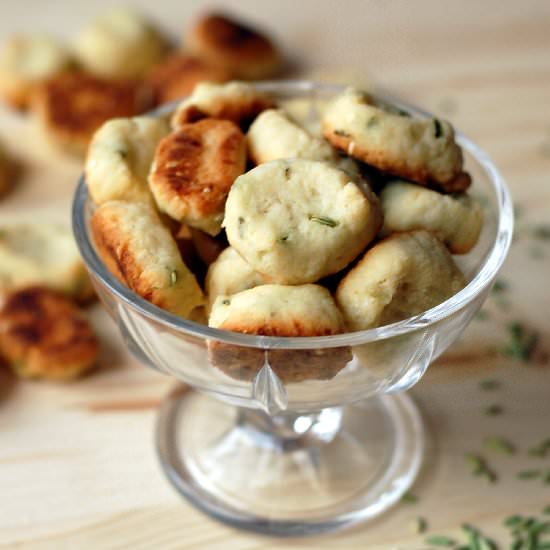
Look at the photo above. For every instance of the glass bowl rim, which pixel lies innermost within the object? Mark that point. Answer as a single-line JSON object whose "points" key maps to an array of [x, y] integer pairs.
{"points": [[481, 281]]}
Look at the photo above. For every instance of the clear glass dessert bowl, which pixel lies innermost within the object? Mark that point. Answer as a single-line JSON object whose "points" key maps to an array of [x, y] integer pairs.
{"points": [[320, 434]]}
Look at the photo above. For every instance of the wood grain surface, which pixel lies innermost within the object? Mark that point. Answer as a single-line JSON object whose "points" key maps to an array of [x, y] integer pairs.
{"points": [[77, 463]]}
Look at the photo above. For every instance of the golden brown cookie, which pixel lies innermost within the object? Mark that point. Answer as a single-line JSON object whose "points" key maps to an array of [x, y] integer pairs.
{"points": [[142, 254], [278, 310], [72, 106], [176, 76], [235, 101], [422, 150], [44, 335], [225, 41], [193, 170]]}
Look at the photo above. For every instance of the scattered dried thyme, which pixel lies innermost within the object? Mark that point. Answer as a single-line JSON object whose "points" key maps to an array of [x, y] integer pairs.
{"points": [[480, 468], [493, 410], [500, 445], [522, 341]]}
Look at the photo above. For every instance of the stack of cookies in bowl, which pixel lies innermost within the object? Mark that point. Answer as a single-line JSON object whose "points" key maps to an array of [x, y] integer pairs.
{"points": [[237, 214]]}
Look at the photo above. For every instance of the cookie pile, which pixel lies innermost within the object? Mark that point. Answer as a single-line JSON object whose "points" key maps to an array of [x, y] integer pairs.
{"points": [[309, 249], [121, 65]]}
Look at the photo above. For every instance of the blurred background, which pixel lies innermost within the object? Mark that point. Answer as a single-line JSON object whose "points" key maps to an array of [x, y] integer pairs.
{"points": [[77, 464]]}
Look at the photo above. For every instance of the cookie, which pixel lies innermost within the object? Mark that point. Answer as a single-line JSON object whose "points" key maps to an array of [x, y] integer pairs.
{"points": [[296, 221], [193, 170], [228, 275], [141, 253], [122, 43], [44, 335], [8, 171], [455, 219], [235, 101], [278, 310], [176, 76], [399, 277], [120, 156], [44, 254], [273, 135], [72, 106], [25, 61], [248, 53], [421, 150]]}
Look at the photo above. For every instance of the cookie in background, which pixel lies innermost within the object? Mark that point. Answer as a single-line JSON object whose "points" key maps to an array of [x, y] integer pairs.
{"points": [[25, 62], [121, 43], [226, 41], [176, 76], [44, 254], [72, 106], [44, 335]]}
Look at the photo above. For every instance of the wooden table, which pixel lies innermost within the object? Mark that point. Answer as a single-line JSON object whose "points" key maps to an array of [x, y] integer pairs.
{"points": [[77, 463]]}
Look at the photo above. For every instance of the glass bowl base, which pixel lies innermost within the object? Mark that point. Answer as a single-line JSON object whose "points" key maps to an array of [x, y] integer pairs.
{"points": [[291, 474]]}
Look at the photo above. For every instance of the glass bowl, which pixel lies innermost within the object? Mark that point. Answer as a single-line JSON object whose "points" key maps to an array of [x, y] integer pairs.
{"points": [[296, 436]]}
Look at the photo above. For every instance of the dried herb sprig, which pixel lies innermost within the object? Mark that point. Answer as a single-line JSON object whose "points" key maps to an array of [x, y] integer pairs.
{"points": [[521, 342], [540, 450], [480, 468], [419, 525], [409, 498], [489, 384], [440, 540], [499, 444], [493, 410], [476, 541], [324, 221], [528, 474]]}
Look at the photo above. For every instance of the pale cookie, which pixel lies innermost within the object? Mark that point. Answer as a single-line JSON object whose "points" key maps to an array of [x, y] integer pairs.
{"points": [[72, 106], [296, 221], [421, 150], [120, 44], [278, 310], [141, 253], [225, 41], [236, 101], [193, 170], [401, 276], [230, 274], [176, 76], [120, 156], [26, 60], [273, 135], [45, 254], [454, 219], [44, 335]]}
